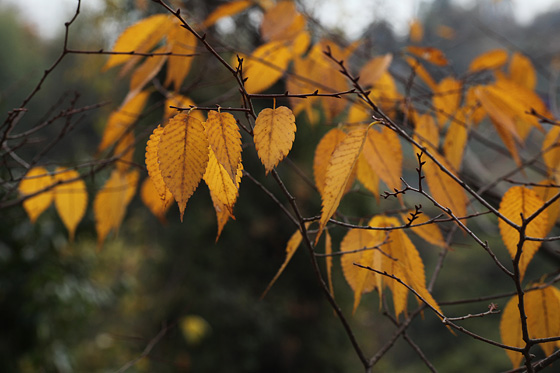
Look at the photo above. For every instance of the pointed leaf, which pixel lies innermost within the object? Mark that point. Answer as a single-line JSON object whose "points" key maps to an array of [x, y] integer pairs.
{"points": [[152, 162], [516, 201], [367, 176], [374, 69], [456, 138], [551, 151], [219, 182], [446, 99], [546, 193], [35, 180], [376, 150], [70, 199], [339, 173], [181, 41], [125, 151], [147, 71], [510, 331], [323, 153], [180, 101], [493, 59], [226, 10], [522, 72], [282, 22], [274, 134], [225, 140], [151, 198], [266, 65], [542, 316], [429, 54], [421, 72], [183, 156]]}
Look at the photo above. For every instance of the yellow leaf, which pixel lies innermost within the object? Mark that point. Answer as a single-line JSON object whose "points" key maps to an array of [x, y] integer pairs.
{"points": [[140, 38], [181, 41], [225, 140], [522, 72], [447, 96], [382, 151], [426, 132], [183, 156], [110, 203], [520, 200], [300, 43], [429, 54], [359, 113], [374, 69], [291, 248], [150, 197], [428, 232], [421, 72], [416, 31], [266, 65], [121, 119], [546, 193], [299, 83], [125, 151], [282, 22], [329, 261], [323, 153], [490, 60], [386, 93], [147, 71], [152, 163], [35, 180], [551, 151], [226, 10], [456, 138], [274, 134], [70, 199], [339, 173], [222, 214], [360, 280], [220, 183], [367, 176], [542, 316], [180, 101], [510, 331], [472, 104]]}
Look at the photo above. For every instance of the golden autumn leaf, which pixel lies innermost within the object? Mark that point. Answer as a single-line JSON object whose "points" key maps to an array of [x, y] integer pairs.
{"points": [[323, 153], [147, 71], [385, 92], [359, 113], [282, 22], [125, 151], [35, 180], [522, 72], [70, 199], [291, 248], [297, 83], [151, 198], [367, 176], [181, 42], [430, 54], [110, 203], [274, 134], [510, 331], [382, 151], [225, 140], [220, 182], [426, 131], [456, 138], [177, 100], [490, 60], [329, 261], [447, 96], [223, 213], [266, 65], [416, 31], [183, 156], [121, 120], [374, 69], [421, 72], [360, 242], [428, 232], [226, 10], [546, 192], [551, 152], [339, 173], [516, 201], [140, 38], [152, 162]]}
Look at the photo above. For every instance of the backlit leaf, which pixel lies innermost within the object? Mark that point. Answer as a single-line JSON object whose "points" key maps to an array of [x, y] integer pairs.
{"points": [[428, 232], [226, 10], [429, 54], [510, 331], [181, 41], [147, 71], [339, 173], [152, 163], [70, 199], [456, 138], [282, 22], [329, 260], [323, 153], [551, 151], [386, 93], [542, 316], [140, 38], [219, 182], [225, 140], [447, 96], [183, 156], [223, 213], [520, 200], [274, 134], [421, 72], [374, 68], [125, 151], [266, 65], [382, 151], [522, 72], [546, 193], [426, 131], [151, 198], [35, 180], [180, 101], [367, 176], [493, 59]]}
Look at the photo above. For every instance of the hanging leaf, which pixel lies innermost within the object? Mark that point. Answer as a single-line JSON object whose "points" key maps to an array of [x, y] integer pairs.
{"points": [[429, 54], [421, 72], [282, 22], [70, 199], [447, 96], [121, 119], [220, 183], [298, 83], [323, 153], [339, 173], [510, 331], [274, 134], [150, 197], [367, 176], [382, 151], [183, 156], [266, 65], [516, 201], [180, 101], [490, 60], [140, 38], [428, 232], [542, 307], [125, 151], [152, 162], [35, 180], [374, 69], [551, 152], [522, 72], [416, 31], [225, 140], [147, 71], [456, 138], [546, 193], [226, 10], [426, 132], [329, 261], [181, 41]]}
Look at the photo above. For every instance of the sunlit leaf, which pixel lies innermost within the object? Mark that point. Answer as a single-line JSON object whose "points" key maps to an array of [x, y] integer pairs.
{"points": [[382, 151], [266, 65], [426, 131], [70, 199], [551, 151], [522, 72], [374, 69], [429, 54], [542, 316], [151, 198], [516, 201], [225, 140], [180, 101], [421, 72], [510, 331], [125, 151], [152, 163], [282, 22], [546, 193], [183, 156], [447, 96], [226, 10], [147, 71], [456, 138], [428, 232], [367, 176], [181, 41], [274, 134], [220, 182], [493, 59], [34, 181], [323, 153]]}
